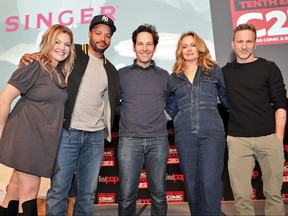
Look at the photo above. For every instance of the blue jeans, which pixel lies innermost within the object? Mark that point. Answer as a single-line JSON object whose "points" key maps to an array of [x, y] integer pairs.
{"points": [[201, 158], [132, 154], [79, 151]]}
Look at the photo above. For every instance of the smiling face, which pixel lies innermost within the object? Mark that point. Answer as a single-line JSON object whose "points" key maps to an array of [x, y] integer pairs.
{"points": [[61, 49], [144, 48], [244, 44], [190, 52], [100, 39]]}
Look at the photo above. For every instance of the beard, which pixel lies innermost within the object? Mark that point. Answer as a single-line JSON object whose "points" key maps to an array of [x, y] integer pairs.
{"points": [[98, 49]]}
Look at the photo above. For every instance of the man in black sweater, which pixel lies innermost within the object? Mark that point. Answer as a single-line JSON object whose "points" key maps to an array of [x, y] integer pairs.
{"points": [[257, 118]]}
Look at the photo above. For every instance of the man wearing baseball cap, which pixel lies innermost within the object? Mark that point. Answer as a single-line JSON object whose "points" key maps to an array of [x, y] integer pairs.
{"points": [[102, 19], [88, 119]]}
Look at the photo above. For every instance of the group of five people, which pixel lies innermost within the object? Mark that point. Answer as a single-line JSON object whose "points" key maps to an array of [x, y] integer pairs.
{"points": [[251, 88]]}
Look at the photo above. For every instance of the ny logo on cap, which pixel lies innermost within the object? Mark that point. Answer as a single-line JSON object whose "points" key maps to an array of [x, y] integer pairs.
{"points": [[105, 18]]}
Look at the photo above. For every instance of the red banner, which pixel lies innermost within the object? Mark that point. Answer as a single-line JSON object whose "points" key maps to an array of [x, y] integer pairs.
{"points": [[268, 16]]}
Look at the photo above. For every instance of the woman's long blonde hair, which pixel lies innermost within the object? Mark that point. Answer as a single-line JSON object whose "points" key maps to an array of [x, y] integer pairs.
{"points": [[48, 42], [205, 60]]}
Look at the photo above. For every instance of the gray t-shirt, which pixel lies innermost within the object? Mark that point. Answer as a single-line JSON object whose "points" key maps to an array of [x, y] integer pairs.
{"points": [[88, 113]]}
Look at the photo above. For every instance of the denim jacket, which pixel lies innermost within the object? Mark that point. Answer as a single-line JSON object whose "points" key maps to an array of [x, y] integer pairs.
{"points": [[193, 106]]}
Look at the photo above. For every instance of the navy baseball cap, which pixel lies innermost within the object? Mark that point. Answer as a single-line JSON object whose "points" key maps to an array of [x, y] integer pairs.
{"points": [[102, 19]]}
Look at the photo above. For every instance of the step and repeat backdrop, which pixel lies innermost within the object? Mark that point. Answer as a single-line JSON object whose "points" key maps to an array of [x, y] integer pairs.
{"points": [[108, 181], [23, 24]]}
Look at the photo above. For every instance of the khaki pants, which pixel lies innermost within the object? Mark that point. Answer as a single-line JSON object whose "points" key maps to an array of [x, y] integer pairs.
{"points": [[268, 151]]}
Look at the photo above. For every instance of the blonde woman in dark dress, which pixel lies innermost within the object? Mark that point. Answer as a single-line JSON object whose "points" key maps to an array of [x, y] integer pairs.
{"points": [[30, 134]]}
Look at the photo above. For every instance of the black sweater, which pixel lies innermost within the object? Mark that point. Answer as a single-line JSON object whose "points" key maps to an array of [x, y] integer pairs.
{"points": [[255, 91]]}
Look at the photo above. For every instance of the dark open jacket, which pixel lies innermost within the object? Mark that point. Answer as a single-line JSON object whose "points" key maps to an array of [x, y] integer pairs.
{"points": [[75, 78]]}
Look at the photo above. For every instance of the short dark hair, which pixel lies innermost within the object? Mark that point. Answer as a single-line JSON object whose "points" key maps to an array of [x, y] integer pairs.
{"points": [[245, 26], [146, 28]]}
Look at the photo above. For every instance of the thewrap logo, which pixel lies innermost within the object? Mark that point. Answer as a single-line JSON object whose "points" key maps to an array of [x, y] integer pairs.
{"points": [[108, 158], [175, 196], [173, 155], [108, 179], [143, 179], [106, 198]]}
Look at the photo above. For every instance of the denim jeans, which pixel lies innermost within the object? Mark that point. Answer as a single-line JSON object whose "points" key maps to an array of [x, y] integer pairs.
{"points": [[132, 154], [201, 158], [80, 152]]}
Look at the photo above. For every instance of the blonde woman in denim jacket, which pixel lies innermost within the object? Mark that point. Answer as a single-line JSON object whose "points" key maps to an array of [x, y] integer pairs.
{"points": [[196, 85]]}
